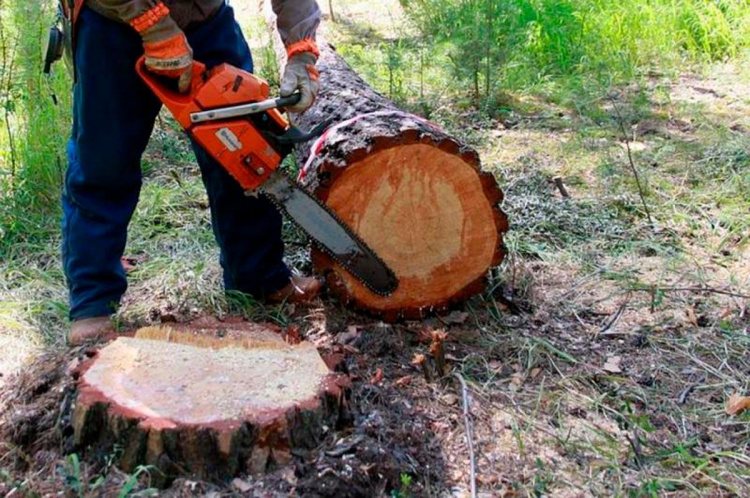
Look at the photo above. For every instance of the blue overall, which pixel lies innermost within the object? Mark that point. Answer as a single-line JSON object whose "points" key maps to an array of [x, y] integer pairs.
{"points": [[113, 116]]}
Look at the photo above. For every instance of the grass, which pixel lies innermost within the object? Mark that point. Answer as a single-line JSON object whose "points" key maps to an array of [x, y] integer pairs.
{"points": [[586, 280], [550, 419]]}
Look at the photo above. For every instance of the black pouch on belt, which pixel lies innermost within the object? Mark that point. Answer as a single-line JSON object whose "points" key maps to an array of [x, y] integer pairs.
{"points": [[60, 41]]}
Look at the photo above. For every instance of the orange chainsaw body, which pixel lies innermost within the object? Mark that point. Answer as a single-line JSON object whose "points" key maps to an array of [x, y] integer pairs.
{"points": [[237, 143]]}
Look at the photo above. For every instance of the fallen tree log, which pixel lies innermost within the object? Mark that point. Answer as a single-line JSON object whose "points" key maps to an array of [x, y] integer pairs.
{"points": [[191, 403], [414, 193]]}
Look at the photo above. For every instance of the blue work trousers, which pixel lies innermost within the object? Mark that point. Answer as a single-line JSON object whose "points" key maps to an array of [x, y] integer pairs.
{"points": [[113, 117]]}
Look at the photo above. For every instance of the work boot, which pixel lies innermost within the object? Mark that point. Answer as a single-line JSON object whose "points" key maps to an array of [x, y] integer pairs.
{"points": [[299, 290], [89, 329]]}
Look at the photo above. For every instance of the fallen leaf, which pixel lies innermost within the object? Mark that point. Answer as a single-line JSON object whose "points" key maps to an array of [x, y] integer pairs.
{"points": [[517, 379], [635, 146], [293, 334], [495, 365], [346, 445], [128, 264], [612, 365], [449, 399], [690, 312], [241, 486], [403, 381], [424, 335], [439, 336], [455, 318], [378, 377], [737, 404], [350, 336]]}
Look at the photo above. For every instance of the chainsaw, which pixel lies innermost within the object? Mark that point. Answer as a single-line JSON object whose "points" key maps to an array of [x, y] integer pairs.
{"points": [[228, 112]]}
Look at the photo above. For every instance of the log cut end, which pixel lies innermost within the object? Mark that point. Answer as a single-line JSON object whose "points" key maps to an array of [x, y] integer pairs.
{"points": [[190, 403], [423, 205]]}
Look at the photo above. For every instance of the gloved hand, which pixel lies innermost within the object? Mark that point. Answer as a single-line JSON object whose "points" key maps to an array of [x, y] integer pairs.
{"points": [[300, 74], [172, 58]]}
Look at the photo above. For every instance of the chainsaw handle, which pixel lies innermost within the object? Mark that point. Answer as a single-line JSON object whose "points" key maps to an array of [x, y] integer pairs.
{"points": [[288, 101], [174, 100]]}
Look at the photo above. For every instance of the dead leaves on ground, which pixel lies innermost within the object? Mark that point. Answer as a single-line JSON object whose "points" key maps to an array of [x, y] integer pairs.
{"points": [[612, 365], [378, 377], [737, 404]]}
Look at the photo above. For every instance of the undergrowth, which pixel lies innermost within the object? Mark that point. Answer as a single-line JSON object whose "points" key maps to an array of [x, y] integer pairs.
{"points": [[36, 115], [586, 278], [569, 51]]}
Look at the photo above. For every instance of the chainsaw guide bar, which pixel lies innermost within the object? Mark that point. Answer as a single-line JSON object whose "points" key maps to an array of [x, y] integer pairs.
{"points": [[330, 234]]}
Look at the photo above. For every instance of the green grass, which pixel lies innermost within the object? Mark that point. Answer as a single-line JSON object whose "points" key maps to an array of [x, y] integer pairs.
{"points": [[548, 418], [568, 51]]}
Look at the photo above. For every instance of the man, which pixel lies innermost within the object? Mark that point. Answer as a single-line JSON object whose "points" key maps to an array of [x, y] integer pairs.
{"points": [[114, 114]]}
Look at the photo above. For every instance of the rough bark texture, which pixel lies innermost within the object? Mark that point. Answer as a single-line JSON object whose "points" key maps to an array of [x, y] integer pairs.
{"points": [[193, 404], [415, 194]]}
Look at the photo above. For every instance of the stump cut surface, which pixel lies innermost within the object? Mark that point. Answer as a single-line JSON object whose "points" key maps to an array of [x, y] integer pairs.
{"points": [[170, 384], [205, 401]]}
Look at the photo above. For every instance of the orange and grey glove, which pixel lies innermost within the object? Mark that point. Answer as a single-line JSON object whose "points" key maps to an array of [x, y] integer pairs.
{"points": [[301, 74], [165, 45], [172, 58]]}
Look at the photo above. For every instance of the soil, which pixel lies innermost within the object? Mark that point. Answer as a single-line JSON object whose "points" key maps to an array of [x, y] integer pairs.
{"points": [[389, 432]]}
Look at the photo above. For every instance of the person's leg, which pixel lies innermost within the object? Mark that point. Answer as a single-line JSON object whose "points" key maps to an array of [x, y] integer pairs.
{"points": [[247, 229], [114, 113]]}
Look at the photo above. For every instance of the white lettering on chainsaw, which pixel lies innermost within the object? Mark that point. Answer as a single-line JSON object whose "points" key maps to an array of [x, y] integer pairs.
{"points": [[229, 139]]}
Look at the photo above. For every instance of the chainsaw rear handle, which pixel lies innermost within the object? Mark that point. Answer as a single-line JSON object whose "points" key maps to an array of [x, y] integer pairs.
{"points": [[180, 104]]}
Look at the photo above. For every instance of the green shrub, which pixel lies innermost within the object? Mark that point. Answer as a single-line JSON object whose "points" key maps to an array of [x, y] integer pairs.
{"points": [[35, 127], [530, 42]]}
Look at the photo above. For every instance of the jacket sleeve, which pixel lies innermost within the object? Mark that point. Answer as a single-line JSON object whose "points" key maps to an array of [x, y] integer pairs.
{"points": [[297, 19], [130, 11]]}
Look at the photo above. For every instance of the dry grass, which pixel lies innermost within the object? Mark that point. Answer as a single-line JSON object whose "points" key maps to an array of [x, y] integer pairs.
{"points": [[587, 291]]}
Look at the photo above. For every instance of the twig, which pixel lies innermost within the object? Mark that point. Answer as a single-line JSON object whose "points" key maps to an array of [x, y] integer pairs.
{"points": [[561, 187], [683, 397], [635, 443], [438, 351], [641, 193], [469, 440], [421, 361], [711, 290], [330, 9], [617, 315]]}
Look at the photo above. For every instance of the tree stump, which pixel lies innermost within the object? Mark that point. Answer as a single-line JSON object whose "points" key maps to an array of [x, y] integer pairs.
{"points": [[414, 194], [191, 403]]}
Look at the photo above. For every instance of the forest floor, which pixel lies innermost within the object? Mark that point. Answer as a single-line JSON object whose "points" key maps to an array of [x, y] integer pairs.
{"points": [[599, 362]]}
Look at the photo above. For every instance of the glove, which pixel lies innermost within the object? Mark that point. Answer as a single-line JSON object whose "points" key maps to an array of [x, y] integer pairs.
{"points": [[300, 74], [166, 48], [172, 58]]}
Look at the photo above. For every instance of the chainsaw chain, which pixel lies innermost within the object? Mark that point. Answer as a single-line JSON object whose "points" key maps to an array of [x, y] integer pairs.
{"points": [[330, 253]]}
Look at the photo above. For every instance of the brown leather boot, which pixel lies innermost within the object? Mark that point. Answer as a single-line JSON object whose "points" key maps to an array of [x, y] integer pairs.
{"points": [[299, 290], [89, 329]]}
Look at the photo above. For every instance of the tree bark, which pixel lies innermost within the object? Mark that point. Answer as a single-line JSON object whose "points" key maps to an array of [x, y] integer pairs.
{"points": [[414, 193], [190, 403]]}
